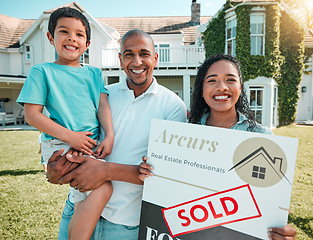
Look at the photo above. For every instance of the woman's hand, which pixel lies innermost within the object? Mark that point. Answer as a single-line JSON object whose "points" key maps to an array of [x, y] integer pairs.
{"points": [[284, 233], [145, 169]]}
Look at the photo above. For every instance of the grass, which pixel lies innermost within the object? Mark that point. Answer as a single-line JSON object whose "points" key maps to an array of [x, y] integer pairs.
{"points": [[31, 207], [301, 207]]}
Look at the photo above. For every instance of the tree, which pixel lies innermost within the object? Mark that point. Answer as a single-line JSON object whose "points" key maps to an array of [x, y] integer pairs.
{"points": [[302, 9]]}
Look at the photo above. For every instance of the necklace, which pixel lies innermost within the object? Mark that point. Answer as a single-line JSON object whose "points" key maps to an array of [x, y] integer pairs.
{"points": [[229, 126], [232, 124]]}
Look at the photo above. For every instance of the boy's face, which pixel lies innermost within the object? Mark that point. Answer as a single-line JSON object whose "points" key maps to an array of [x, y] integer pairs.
{"points": [[69, 41]]}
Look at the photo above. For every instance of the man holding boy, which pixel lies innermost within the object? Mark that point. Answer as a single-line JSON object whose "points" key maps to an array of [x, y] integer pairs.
{"points": [[134, 102]]}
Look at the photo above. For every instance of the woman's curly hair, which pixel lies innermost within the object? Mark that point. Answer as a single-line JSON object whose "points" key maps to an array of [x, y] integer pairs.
{"points": [[199, 107]]}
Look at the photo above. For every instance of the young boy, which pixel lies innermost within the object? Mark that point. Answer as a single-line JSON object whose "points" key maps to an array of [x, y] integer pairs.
{"points": [[77, 101]]}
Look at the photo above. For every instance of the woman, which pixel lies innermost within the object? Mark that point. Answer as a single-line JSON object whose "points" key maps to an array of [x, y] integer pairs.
{"points": [[219, 100]]}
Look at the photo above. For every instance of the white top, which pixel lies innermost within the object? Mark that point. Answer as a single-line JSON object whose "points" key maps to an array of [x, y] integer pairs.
{"points": [[131, 123]]}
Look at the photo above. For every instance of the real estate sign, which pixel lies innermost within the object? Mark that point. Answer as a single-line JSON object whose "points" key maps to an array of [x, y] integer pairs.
{"points": [[214, 183]]}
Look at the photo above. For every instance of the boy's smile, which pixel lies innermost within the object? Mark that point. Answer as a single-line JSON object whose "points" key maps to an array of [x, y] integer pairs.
{"points": [[69, 41]]}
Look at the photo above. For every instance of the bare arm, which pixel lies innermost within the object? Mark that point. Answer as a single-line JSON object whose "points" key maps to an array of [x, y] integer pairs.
{"points": [[78, 140], [285, 233], [92, 173], [105, 119]]}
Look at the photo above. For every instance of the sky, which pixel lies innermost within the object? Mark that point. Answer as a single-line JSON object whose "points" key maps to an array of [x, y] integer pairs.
{"points": [[32, 9]]}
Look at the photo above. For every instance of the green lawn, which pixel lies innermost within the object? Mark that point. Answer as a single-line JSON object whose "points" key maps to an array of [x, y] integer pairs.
{"points": [[301, 209], [31, 207]]}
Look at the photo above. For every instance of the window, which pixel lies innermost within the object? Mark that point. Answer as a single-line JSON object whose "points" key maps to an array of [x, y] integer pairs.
{"points": [[256, 102], [258, 172], [84, 59], [257, 33], [231, 27], [164, 52], [28, 53]]}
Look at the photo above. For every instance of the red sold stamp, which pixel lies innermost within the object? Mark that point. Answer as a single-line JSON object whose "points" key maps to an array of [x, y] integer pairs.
{"points": [[229, 206]]}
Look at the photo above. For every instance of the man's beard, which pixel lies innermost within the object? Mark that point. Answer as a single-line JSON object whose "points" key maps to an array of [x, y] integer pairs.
{"points": [[138, 84]]}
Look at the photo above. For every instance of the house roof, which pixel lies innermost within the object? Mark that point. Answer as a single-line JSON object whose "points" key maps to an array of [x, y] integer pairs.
{"points": [[156, 25], [11, 30], [74, 5], [253, 0]]}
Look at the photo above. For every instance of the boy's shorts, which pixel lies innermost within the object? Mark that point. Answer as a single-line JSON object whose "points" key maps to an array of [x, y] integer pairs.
{"points": [[48, 148]]}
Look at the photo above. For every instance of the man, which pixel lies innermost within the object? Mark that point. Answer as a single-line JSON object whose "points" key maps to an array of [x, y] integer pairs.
{"points": [[134, 102]]}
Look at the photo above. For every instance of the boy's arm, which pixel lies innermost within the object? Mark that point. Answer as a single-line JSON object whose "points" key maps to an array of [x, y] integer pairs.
{"points": [[78, 140], [105, 119]]}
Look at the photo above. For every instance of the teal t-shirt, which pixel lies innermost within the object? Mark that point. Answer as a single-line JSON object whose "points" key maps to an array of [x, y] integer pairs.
{"points": [[70, 94]]}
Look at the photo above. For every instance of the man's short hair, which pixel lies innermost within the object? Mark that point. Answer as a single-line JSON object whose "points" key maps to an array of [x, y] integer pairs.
{"points": [[135, 32], [67, 12]]}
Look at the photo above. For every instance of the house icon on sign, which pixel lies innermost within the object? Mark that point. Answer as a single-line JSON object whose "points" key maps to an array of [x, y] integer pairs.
{"points": [[260, 169]]}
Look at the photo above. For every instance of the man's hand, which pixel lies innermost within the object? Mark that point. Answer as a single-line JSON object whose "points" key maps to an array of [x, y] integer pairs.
{"points": [[58, 166], [285, 233], [91, 173]]}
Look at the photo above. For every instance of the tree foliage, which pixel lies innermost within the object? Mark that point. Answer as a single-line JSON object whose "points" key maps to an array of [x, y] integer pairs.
{"points": [[292, 48], [301, 10]]}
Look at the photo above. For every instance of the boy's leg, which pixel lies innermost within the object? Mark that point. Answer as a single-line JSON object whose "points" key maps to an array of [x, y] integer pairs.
{"points": [[47, 149], [65, 220], [88, 211]]}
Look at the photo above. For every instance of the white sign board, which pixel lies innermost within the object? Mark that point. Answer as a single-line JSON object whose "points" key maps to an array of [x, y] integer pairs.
{"points": [[215, 182]]}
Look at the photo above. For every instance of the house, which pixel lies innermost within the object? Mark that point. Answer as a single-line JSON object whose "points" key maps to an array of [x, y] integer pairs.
{"points": [[269, 41], [23, 43], [178, 40]]}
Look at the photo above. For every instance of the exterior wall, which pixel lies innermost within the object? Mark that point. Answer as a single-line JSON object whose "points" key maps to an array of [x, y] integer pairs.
{"points": [[16, 63], [5, 64], [11, 62], [94, 48], [35, 43], [174, 84], [174, 40], [98, 41]]}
